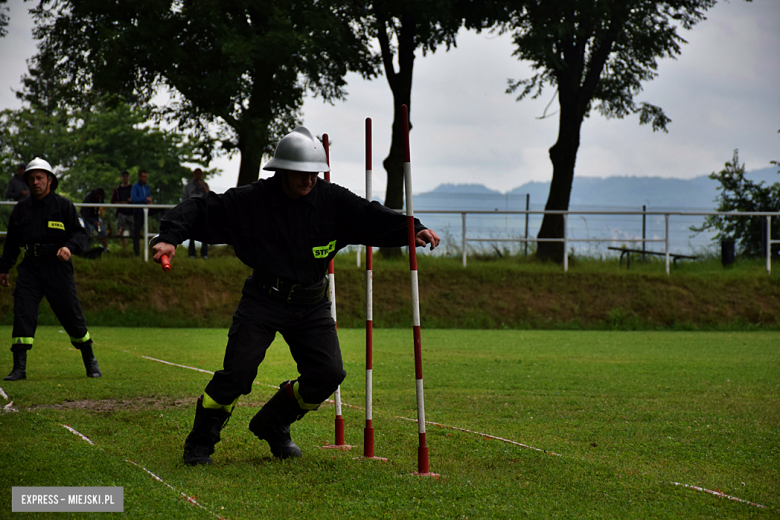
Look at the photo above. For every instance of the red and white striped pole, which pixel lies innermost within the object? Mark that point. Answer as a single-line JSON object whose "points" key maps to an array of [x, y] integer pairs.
{"points": [[422, 450], [339, 422], [368, 431]]}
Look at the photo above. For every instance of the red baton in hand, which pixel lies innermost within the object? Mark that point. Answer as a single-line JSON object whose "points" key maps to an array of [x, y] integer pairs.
{"points": [[164, 261]]}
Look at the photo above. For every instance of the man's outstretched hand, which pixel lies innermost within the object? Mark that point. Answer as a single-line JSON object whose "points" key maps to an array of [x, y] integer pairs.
{"points": [[427, 236], [163, 248]]}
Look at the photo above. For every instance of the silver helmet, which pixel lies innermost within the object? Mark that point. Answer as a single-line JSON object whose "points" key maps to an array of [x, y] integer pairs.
{"points": [[299, 151], [41, 164]]}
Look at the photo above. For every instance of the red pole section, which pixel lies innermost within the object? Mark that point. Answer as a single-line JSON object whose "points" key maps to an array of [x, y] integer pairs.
{"points": [[422, 450], [339, 420]]}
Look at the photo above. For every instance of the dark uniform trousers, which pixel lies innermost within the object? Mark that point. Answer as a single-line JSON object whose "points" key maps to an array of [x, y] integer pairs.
{"points": [[54, 280], [309, 331]]}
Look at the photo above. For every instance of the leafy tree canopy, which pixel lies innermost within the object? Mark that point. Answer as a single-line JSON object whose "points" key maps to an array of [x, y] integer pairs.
{"points": [[739, 194], [401, 27], [596, 54], [241, 67], [90, 148], [600, 51], [4, 18]]}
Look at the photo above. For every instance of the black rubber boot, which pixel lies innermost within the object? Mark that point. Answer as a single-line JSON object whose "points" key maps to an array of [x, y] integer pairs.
{"points": [[90, 363], [272, 423], [204, 435], [19, 371]]}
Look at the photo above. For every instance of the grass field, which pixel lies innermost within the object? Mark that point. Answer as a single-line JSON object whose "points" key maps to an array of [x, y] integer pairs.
{"points": [[616, 419]]}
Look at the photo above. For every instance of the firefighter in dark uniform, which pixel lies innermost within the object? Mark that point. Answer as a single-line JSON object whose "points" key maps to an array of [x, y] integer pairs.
{"points": [[287, 228], [46, 227]]}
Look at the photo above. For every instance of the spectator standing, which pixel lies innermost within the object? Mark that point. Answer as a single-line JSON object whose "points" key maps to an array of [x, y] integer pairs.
{"points": [[124, 216], [139, 194], [91, 216], [194, 189], [46, 227], [17, 189]]}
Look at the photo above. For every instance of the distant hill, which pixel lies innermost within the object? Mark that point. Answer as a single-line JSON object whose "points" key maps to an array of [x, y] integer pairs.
{"points": [[654, 192]]}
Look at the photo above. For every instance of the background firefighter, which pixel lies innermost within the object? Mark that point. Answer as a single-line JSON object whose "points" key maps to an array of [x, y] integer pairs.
{"points": [[46, 226], [287, 228]]}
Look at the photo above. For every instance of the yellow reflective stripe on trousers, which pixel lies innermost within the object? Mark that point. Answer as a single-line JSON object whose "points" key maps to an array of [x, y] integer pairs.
{"points": [[22, 341], [303, 404], [211, 404], [80, 340]]}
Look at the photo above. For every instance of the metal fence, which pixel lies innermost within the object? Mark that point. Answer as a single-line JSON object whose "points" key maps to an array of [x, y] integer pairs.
{"points": [[144, 207], [648, 227], [589, 231]]}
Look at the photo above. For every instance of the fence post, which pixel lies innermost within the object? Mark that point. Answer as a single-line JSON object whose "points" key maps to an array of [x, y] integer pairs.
{"points": [[527, 207], [463, 217], [768, 244], [644, 230], [146, 234], [666, 241], [565, 243]]}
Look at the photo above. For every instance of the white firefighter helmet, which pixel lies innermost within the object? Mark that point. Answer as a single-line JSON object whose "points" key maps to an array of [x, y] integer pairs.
{"points": [[41, 164], [299, 151]]}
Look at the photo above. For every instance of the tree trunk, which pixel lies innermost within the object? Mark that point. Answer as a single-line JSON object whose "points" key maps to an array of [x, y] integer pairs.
{"points": [[254, 140], [251, 161], [563, 155], [401, 87]]}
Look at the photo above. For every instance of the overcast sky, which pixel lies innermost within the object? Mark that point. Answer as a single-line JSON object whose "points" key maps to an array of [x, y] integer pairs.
{"points": [[723, 93]]}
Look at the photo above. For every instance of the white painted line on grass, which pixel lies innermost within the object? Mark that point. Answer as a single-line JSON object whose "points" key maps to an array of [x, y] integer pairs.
{"points": [[175, 365], [10, 407], [486, 435], [77, 433], [3, 394], [361, 408], [212, 373], [190, 499], [719, 494]]}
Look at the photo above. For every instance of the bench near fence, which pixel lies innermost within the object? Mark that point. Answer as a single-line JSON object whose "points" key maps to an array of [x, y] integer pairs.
{"points": [[627, 253]]}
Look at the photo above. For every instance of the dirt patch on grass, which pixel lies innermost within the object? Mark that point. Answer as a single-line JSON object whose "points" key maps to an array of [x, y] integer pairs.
{"points": [[130, 405], [114, 405]]}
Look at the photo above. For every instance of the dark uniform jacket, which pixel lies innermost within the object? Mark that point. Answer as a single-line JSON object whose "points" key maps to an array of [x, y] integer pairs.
{"points": [[51, 223], [294, 239]]}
